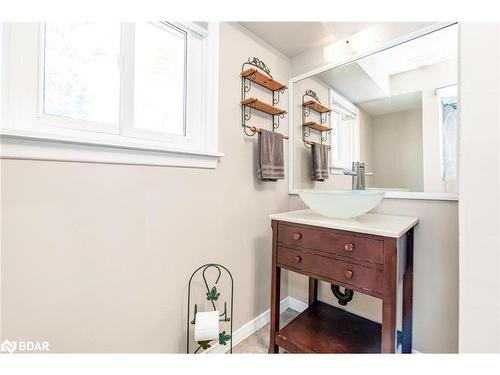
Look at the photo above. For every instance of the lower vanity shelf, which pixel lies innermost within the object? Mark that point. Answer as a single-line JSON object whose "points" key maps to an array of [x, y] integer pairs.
{"points": [[322, 328]]}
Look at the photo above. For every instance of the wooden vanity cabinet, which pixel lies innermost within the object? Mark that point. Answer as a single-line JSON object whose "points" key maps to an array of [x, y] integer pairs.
{"points": [[366, 263]]}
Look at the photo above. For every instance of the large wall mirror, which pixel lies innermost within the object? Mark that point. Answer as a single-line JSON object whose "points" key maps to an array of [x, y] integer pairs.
{"points": [[396, 110]]}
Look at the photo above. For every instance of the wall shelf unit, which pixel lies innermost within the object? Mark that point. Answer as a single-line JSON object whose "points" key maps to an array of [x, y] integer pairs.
{"points": [[255, 71], [323, 126]]}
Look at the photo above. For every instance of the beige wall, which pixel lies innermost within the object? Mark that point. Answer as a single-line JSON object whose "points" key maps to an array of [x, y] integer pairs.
{"points": [[480, 188], [397, 141], [435, 293], [95, 258]]}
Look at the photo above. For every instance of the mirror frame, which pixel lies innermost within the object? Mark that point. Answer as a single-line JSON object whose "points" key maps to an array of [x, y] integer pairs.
{"points": [[393, 43]]}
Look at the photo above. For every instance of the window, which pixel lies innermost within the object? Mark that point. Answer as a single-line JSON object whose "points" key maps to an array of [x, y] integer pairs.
{"points": [[345, 132], [448, 104], [159, 78], [149, 86], [81, 79]]}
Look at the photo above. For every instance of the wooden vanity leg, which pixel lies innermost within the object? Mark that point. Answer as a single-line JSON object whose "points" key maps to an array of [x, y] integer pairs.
{"points": [[313, 290], [274, 324], [389, 296], [408, 295]]}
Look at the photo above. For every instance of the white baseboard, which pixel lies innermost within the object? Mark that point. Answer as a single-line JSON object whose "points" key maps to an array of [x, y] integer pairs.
{"points": [[295, 304], [254, 325]]}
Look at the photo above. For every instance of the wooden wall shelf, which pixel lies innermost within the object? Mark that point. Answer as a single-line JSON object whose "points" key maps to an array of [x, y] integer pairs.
{"points": [[314, 105], [261, 106], [255, 76], [316, 126]]}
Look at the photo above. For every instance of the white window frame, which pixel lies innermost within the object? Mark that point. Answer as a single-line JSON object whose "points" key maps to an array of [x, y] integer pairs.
{"points": [[345, 142], [27, 135]]}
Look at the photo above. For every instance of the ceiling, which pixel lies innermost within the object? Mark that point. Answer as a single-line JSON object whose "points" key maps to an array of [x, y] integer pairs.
{"points": [[294, 38], [428, 50], [396, 103], [354, 83]]}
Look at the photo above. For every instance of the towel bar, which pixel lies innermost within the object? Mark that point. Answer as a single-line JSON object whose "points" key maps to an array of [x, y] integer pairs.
{"points": [[258, 130]]}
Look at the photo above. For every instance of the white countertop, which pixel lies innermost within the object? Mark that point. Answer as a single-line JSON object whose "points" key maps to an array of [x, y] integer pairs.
{"points": [[377, 224]]}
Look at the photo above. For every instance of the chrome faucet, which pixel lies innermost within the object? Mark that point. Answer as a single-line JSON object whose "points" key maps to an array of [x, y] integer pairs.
{"points": [[358, 175]]}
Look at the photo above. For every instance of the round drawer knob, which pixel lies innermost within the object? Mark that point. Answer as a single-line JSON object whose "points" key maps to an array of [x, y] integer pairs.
{"points": [[348, 274], [297, 236], [298, 259], [349, 247]]}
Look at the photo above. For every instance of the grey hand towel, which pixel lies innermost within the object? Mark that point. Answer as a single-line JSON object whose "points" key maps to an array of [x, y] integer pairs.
{"points": [[319, 162], [271, 161]]}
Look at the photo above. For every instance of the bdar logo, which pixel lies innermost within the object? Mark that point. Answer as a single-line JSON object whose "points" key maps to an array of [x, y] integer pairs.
{"points": [[8, 346]]}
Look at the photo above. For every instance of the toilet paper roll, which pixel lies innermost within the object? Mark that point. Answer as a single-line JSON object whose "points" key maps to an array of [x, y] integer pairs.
{"points": [[206, 327]]}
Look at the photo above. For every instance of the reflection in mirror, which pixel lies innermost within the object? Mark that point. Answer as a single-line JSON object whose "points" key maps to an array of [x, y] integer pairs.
{"points": [[395, 110]]}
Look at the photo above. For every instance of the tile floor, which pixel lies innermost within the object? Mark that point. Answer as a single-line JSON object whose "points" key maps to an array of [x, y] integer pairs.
{"points": [[259, 341]]}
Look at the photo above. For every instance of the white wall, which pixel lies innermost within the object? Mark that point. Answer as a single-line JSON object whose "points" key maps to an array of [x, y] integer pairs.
{"points": [[96, 258], [479, 160]]}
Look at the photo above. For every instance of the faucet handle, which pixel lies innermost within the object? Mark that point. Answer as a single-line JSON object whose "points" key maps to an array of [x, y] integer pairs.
{"points": [[347, 172]]}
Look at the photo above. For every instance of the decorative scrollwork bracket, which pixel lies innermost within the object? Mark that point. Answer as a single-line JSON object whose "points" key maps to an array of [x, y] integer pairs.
{"points": [[313, 95], [259, 64]]}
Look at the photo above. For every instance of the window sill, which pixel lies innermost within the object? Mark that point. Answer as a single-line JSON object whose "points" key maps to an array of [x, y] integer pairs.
{"points": [[28, 145]]}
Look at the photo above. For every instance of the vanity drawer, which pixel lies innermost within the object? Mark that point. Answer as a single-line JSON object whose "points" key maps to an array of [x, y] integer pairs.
{"points": [[329, 241], [347, 273]]}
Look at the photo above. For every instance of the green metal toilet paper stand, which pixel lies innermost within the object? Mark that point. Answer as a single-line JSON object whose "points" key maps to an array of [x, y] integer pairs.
{"points": [[213, 296]]}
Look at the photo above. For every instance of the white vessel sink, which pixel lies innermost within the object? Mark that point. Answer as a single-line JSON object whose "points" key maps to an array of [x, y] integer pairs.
{"points": [[341, 204]]}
